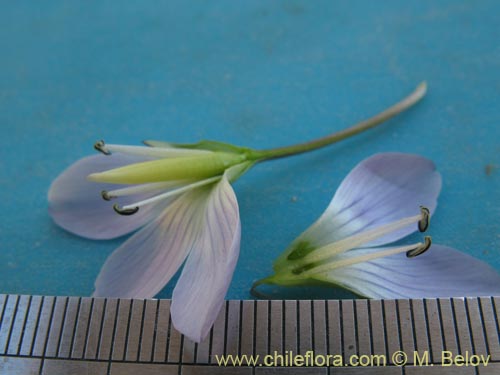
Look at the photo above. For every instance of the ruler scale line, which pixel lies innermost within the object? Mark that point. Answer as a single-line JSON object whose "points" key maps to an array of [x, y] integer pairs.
{"points": [[181, 346], [63, 322], [383, 328], [405, 324], [188, 350], [94, 328], [226, 307], [232, 327], [379, 333], [155, 330], [30, 326], [25, 324], [298, 326], [390, 330], [141, 331], [16, 334], [218, 334], [101, 328], [413, 329], [108, 326], [370, 326], [247, 328], [75, 324], [3, 303], [162, 331], [335, 330], [490, 328], [148, 330], [276, 322], [420, 327], [348, 329], [69, 326], [8, 323], [449, 325], [126, 350], [203, 350], [496, 307], [464, 337], [21, 327], [170, 329], [81, 330], [319, 327], [262, 329], [362, 323], [436, 334], [356, 326], [289, 327], [477, 337], [240, 326], [134, 329], [46, 336]]}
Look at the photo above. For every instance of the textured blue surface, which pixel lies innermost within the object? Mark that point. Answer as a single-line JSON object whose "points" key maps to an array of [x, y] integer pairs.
{"points": [[261, 74]]}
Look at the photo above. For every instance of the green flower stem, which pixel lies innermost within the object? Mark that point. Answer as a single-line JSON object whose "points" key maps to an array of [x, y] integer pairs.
{"points": [[413, 98]]}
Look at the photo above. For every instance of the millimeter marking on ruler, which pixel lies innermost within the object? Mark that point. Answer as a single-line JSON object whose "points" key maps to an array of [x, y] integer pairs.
{"points": [[52, 335]]}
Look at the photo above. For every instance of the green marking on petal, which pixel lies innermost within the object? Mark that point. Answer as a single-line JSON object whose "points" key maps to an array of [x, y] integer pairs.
{"points": [[300, 250]]}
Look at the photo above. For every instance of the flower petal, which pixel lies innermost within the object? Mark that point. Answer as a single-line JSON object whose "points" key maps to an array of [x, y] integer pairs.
{"points": [[440, 272], [381, 189], [202, 286], [75, 203], [142, 266]]}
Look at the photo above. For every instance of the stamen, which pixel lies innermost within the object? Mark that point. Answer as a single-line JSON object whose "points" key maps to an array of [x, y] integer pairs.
{"points": [[101, 147], [170, 193], [136, 189], [417, 248], [421, 249], [156, 152], [105, 195], [125, 211], [423, 224], [357, 240]]}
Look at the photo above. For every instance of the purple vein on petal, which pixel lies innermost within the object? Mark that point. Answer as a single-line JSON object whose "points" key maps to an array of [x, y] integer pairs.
{"points": [[440, 272], [200, 291], [142, 266], [383, 188]]}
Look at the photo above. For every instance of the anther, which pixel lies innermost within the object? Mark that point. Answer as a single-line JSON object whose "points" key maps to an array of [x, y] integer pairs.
{"points": [[101, 147], [420, 249], [423, 224], [125, 212], [105, 195]]}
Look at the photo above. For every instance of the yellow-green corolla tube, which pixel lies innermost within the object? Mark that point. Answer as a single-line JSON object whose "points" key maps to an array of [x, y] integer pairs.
{"points": [[170, 169]]}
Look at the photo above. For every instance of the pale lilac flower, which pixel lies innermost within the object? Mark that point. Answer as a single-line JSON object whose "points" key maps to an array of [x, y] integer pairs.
{"points": [[187, 214], [379, 203], [180, 199]]}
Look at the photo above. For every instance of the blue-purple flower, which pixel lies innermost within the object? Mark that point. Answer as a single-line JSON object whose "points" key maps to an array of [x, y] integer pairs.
{"points": [[178, 199], [379, 203], [183, 203]]}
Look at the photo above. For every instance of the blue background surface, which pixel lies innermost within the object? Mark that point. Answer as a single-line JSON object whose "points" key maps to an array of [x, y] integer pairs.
{"points": [[260, 74]]}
